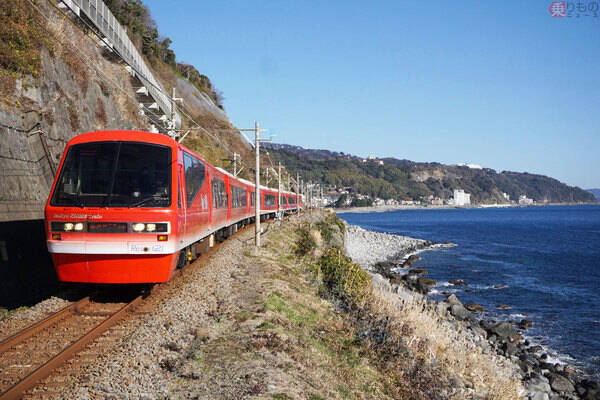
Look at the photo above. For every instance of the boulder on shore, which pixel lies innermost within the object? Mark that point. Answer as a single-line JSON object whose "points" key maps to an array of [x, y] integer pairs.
{"points": [[525, 324], [504, 330], [459, 312], [559, 383], [452, 300], [418, 271], [474, 307], [410, 260], [458, 282]]}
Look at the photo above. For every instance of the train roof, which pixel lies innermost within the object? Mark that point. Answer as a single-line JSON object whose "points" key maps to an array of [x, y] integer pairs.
{"points": [[124, 135], [149, 137]]}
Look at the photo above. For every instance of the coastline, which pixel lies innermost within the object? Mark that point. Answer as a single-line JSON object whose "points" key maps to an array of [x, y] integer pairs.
{"points": [[541, 378], [378, 209]]}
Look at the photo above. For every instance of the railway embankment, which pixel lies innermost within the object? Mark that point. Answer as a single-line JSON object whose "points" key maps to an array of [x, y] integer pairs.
{"points": [[299, 320]]}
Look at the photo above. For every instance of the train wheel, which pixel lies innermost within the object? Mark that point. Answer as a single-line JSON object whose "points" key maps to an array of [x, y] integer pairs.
{"points": [[182, 259]]}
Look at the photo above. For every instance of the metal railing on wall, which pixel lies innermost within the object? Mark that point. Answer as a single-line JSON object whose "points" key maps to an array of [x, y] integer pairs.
{"points": [[115, 36]]}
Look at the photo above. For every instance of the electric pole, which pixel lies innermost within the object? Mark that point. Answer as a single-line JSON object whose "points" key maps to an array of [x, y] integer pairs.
{"points": [[298, 194], [235, 164], [257, 191], [279, 189], [171, 125]]}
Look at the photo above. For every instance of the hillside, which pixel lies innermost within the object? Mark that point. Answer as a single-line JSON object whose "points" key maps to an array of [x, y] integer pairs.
{"points": [[56, 82], [408, 180], [595, 192]]}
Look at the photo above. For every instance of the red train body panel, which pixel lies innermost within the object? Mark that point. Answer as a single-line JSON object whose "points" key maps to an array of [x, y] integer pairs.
{"points": [[125, 204]]}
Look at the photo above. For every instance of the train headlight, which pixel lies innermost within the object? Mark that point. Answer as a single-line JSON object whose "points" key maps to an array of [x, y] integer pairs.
{"points": [[150, 227], [56, 226]]}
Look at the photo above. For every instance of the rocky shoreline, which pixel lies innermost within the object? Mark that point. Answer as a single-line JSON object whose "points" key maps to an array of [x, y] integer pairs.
{"points": [[390, 256]]}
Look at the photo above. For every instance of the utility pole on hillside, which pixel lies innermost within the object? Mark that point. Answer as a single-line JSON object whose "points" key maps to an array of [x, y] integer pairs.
{"points": [[257, 197], [298, 194], [172, 126], [279, 190]]}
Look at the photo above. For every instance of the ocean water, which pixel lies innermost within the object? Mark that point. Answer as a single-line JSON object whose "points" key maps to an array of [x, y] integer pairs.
{"points": [[548, 257]]}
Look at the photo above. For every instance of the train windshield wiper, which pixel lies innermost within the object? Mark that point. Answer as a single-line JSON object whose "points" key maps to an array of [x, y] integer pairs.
{"points": [[73, 198], [147, 199]]}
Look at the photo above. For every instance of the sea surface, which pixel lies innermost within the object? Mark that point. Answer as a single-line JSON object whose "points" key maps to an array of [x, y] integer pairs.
{"points": [[548, 257]]}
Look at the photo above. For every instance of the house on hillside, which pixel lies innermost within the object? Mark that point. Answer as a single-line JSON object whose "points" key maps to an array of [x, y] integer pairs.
{"points": [[460, 198]]}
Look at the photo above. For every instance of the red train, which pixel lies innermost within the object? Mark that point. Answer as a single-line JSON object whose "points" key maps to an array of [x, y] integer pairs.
{"points": [[131, 207]]}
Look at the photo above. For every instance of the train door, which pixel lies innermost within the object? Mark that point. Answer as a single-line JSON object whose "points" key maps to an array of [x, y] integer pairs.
{"points": [[181, 206]]}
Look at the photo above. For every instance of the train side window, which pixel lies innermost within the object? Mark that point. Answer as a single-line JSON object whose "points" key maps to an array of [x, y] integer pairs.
{"points": [[269, 200], [252, 196], [178, 192], [238, 197], [194, 176], [219, 194]]}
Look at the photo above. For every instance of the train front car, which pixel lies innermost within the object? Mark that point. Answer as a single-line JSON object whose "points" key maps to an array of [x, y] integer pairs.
{"points": [[112, 214]]}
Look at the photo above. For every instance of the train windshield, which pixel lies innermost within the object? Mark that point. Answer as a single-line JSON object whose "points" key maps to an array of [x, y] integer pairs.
{"points": [[115, 174]]}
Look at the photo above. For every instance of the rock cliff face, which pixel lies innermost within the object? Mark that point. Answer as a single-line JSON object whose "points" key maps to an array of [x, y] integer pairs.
{"points": [[74, 91], [74, 86]]}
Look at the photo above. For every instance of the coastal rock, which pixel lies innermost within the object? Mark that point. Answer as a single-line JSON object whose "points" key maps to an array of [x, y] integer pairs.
{"points": [[423, 285], [559, 383], [498, 287], [426, 281], [504, 330], [410, 260], [458, 282], [539, 396], [459, 312], [474, 307], [452, 300], [538, 385], [503, 307], [525, 324], [510, 349], [418, 271]]}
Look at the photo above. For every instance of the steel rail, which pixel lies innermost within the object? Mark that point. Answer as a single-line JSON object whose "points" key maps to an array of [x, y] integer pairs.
{"points": [[16, 391], [38, 326]]}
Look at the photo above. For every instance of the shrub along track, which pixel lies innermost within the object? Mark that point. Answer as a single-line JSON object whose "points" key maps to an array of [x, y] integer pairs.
{"points": [[37, 361]]}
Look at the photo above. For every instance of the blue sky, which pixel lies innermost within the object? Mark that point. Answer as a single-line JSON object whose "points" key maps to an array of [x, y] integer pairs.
{"points": [[496, 83]]}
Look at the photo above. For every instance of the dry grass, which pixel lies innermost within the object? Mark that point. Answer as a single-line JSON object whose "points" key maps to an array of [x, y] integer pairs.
{"points": [[420, 328], [420, 353]]}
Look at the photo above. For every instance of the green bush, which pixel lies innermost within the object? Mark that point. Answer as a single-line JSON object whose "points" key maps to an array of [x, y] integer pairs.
{"points": [[306, 242], [332, 231], [345, 279]]}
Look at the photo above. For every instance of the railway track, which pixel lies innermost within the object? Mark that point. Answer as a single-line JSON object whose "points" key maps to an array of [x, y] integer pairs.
{"points": [[33, 353]]}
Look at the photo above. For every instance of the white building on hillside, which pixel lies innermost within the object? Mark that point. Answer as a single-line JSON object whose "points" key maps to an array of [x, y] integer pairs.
{"points": [[461, 198], [525, 201]]}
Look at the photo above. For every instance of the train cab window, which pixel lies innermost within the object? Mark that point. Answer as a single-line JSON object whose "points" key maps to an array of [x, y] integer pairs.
{"points": [[219, 194], [178, 193], [238, 197], [269, 200], [115, 174], [194, 176]]}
